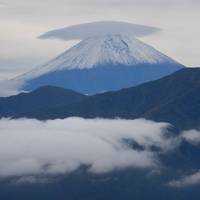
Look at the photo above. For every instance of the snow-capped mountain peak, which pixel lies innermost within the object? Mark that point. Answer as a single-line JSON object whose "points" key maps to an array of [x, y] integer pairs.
{"points": [[105, 50], [100, 63]]}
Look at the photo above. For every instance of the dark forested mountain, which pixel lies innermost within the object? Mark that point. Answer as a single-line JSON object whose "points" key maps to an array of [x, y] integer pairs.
{"points": [[174, 99], [47, 96]]}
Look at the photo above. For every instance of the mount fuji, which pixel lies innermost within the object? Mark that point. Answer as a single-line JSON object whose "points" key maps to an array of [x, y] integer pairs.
{"points": [[101, 63]]}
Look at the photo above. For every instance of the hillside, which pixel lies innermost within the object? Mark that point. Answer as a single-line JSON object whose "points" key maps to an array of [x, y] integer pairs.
{"points": [[174, 99]]}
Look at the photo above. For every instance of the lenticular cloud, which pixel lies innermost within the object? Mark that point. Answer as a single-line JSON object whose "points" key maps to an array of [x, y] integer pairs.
{"points": [[31, 147], [83, 31]]}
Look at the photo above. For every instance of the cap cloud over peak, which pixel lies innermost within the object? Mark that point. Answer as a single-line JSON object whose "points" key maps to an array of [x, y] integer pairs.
{"points": [[83, 31]]}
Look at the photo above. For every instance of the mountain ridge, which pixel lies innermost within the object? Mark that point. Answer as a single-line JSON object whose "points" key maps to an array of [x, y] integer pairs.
{"points": [[159, 100], [46, 96]]}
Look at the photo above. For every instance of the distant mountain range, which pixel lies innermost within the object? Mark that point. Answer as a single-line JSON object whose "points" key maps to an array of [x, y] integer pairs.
{"points": [[99, 64], [174, 99]]}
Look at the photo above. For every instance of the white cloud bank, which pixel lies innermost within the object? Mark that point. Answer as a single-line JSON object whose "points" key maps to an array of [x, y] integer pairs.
{"points": [[31, 147], [31, 150]]}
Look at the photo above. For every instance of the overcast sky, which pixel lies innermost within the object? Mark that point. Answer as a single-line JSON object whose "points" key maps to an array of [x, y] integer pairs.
{"points": [[21, 21]]}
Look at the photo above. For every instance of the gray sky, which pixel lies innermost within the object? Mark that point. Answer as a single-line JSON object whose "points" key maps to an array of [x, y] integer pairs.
{"points": [[22, 21]]}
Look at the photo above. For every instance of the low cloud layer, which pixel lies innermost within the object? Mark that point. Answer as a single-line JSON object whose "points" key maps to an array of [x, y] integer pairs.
{"points": [[83, 31], [31, 147], [31, 151]]}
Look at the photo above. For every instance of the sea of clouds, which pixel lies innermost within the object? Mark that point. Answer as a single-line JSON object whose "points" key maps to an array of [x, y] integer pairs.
{"points": [[29, 147], [58, 146]]}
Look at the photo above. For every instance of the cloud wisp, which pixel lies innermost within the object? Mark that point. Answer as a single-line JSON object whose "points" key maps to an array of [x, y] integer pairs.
{"points": [[192, 137], [10, 87], [31, 147], [186, 181]]}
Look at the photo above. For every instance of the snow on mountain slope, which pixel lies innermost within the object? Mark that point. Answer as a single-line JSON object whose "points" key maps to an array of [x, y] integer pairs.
{"points": [[98, 64], [103, 50]]}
